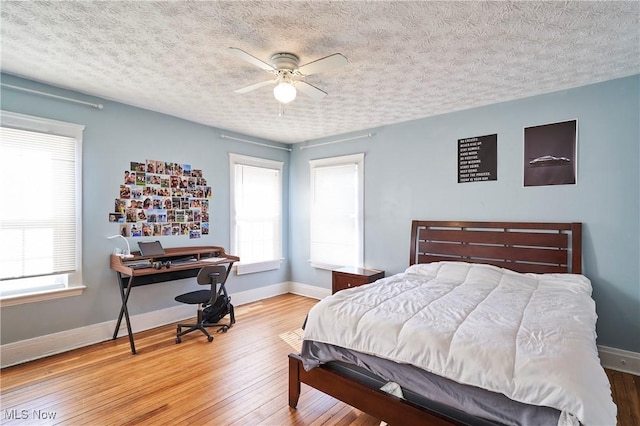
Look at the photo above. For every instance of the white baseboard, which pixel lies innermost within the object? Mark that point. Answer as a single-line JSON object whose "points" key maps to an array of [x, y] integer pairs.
{"points": [[51, 344], [250, 296], [309, 290], [620, 360]]}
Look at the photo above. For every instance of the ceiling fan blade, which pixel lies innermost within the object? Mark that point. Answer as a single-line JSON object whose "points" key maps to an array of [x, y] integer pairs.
{"points": [[251, 59], [310, 90], [323, 64], [255, 86]]}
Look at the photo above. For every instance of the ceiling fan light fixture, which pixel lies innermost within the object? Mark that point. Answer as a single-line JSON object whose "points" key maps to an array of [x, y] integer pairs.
{"points": [[289, 75], [284, 92]]}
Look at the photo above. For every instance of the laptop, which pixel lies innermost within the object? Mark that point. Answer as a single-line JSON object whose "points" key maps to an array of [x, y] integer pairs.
{"points": [[151, 248]]}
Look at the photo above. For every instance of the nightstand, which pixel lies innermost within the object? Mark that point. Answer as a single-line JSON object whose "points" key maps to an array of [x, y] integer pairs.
{"points": [[348, 277]]}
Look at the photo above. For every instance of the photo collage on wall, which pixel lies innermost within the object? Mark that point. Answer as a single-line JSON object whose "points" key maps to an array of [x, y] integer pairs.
{"points": [[162, 199]]}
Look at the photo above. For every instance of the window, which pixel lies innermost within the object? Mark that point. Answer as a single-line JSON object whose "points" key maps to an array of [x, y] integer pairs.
{"points": [[256, 213], [40, 221], [337, 194]]}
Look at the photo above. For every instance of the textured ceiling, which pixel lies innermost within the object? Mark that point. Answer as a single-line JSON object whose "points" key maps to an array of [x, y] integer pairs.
{"points": [[406, 60]]}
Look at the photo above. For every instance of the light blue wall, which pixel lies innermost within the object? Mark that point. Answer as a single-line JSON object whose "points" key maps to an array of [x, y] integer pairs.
{"points": [[113, 137], [411, 173]]}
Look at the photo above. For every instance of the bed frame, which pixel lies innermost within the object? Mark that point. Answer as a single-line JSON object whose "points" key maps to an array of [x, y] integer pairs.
{"points": [[520, 246]]}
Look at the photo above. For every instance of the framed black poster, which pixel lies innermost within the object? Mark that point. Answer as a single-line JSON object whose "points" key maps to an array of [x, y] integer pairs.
{"points": [[478, 159], [550, 154]]}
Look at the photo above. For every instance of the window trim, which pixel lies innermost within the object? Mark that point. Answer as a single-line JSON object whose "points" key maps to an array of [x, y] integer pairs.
{"points": [[263, 265], [332, 162], [39, 296], [75, 286]]}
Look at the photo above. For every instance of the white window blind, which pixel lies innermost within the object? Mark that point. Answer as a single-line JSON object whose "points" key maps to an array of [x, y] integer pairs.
{"points": [[337, 211], [256, 215], [39, 221]]}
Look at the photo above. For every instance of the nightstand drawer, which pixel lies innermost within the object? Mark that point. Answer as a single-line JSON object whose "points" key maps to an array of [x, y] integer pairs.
{"points": [[353, 277]]}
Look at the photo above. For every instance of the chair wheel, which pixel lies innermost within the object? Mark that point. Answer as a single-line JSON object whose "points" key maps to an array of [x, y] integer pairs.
{"points": [[178, 340], [210, 338]]}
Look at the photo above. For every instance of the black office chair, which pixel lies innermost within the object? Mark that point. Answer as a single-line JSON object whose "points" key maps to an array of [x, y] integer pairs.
{"points": [[215, 303]]}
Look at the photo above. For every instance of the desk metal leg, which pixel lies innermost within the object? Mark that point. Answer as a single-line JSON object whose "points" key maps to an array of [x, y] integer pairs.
{"points": [[124, 311]]}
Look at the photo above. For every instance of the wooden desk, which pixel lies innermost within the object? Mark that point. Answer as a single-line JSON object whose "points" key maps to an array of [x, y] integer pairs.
{"points": [[129, 277]]}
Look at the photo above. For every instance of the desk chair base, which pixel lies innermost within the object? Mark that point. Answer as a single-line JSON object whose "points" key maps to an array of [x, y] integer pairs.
{"points": [[202, 326], [213, 305]]}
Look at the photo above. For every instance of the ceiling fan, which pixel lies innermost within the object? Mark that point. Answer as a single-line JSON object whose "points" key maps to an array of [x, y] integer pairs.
{"points": [[288, 75]]}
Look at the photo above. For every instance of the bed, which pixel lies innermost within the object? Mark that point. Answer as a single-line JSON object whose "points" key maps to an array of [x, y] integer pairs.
{"points": [[523, 353]]}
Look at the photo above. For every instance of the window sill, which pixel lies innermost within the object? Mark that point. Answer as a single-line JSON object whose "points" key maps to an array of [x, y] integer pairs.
{"points": [[41, 296], [250, 268], [327, 266]]}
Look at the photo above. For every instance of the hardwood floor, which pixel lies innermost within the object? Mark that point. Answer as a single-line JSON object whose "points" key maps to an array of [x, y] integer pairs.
{"points": [[626, 394], [240, 378]]}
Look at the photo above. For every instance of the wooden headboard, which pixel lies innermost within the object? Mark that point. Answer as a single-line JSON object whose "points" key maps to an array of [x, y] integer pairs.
{"points": [[519, 246]]}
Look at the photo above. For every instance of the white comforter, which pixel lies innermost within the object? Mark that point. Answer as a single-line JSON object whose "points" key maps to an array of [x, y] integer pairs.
{"points": [[530, 337]]}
